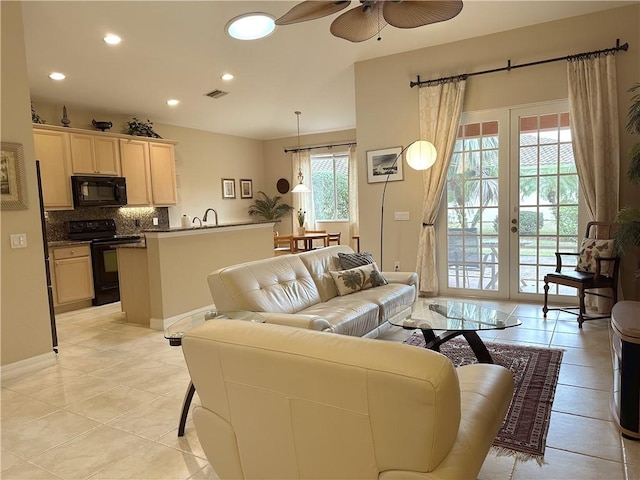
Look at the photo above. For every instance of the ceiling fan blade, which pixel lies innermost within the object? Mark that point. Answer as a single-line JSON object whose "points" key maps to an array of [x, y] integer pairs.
{"points": [[359, 23], [411, 14], [310, 10]]}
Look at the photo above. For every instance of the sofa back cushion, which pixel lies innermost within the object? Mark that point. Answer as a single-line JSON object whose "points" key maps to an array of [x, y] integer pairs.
{"points": [[280, 284], [320, 263], [281, 402]]}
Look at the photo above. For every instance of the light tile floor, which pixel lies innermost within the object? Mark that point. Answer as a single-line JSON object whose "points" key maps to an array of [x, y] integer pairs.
{"points": [[109, 408]]}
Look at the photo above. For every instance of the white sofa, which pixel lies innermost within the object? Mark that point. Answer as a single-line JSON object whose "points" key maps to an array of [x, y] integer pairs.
{"points": [[279, 402], [299, 290]]}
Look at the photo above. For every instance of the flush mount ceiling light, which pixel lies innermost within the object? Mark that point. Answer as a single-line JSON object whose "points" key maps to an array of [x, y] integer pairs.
{"points": [[251, 26], [226, 77], [112, 39], [371, 16], [57, 76], [173, 102]]}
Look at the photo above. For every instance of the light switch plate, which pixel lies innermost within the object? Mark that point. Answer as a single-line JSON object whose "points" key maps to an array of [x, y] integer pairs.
{"points": [[18, 240], [401, 216]]}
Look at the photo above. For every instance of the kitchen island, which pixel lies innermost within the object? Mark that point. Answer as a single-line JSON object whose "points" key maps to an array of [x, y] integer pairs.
{"points": [[167, 278]]}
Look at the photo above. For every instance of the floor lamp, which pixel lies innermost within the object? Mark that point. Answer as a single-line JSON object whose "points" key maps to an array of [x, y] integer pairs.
{"points": [[420, 155]]}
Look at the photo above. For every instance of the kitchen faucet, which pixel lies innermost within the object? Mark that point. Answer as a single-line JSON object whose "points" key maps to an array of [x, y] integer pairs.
{"points": [[194, 220], [204, 218]]}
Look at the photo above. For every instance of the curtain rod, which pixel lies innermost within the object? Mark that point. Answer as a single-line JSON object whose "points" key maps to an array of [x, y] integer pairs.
{"points": [[436, 81], [289, 150]]}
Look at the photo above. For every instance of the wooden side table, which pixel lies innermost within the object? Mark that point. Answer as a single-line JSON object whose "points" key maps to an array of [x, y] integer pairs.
{"points": [[625, 398]]}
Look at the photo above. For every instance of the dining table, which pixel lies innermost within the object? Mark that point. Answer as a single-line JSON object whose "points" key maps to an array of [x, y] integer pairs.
{"points": [[307, 240]]}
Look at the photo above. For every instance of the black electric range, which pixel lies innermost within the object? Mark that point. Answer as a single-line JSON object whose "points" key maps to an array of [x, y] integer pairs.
{"points": [[104, 259]]}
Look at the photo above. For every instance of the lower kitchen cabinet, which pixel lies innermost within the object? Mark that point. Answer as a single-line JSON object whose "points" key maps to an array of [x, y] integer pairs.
{"points": [[72, 272]]}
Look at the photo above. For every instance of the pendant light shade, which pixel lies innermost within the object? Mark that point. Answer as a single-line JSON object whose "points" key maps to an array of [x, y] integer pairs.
{"points": [[421, 155], [300, 187]]}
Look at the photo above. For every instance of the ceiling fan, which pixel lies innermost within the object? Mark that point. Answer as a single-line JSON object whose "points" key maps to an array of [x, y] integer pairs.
{"points": [[365, 21]]}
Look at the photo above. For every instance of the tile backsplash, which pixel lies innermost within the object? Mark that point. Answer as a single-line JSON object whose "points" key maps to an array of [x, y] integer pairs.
{"points": [[125, 218]]}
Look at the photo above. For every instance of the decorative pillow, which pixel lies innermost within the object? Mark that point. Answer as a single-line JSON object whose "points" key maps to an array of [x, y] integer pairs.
{"points": [[589, 250], [353, 260], [356, 279]]}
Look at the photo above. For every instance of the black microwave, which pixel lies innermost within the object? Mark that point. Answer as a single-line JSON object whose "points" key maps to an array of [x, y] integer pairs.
{"points": [[99, 191]]}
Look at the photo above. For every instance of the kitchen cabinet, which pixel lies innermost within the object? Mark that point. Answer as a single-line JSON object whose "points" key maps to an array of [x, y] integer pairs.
{"points": [[149, 168], [94, 154], [72, 273], [53, 150]]}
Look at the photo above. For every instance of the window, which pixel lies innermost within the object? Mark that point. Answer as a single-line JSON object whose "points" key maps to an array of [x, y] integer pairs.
{"points": [[330, 186]]}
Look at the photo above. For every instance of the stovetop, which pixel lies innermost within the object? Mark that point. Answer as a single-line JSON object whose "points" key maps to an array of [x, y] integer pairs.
{"points": [[97, 231]]}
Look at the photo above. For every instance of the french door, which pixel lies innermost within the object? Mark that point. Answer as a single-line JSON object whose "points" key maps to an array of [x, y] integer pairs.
{"points": [[511, 201]]}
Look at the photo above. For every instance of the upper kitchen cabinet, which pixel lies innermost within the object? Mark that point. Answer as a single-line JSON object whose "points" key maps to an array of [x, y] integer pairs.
{"points": [[53, 150], [150, 171], [94, 155]]}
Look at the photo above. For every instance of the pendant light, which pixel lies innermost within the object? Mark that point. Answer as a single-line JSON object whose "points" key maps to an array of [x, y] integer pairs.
{"points": [[300, 187]]}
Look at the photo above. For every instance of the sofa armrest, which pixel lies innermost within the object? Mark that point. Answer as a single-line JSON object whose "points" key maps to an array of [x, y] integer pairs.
{"points": [[309, 322], [408, 278]]}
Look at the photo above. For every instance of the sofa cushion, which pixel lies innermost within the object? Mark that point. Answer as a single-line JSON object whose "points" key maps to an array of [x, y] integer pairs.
{"points": [[349, 315], [357, 279], [391, 298], [320, 262], [353, 260]]}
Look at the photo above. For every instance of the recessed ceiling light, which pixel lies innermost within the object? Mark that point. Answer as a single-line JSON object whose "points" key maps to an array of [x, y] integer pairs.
{"points": [[251, 26], [57, 76], [112, 39], [227, 76], [173, 102]]}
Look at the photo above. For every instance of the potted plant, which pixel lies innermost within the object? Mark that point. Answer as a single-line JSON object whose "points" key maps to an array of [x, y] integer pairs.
{"points": [[269, 208], [301, 215], [628, 219], [141, 129]]}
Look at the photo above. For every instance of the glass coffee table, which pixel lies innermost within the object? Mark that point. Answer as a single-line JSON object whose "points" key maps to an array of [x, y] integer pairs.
{"points": [[179, 329], [456, 317]]}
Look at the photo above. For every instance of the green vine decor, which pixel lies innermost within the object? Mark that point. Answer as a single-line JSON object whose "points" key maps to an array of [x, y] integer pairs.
{"points": [[141, 129]]}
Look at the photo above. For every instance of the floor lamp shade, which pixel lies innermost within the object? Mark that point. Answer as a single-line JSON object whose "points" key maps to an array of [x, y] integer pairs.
{"points": [[421, 155]]}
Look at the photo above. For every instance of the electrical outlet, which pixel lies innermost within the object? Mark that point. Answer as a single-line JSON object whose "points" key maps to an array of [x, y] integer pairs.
{"points": [[137, 222], [155, 220], [396, 265]]}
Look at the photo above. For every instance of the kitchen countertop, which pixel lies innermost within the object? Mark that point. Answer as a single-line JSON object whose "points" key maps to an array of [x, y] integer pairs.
{"points": [[205, 227], [67, 243]]}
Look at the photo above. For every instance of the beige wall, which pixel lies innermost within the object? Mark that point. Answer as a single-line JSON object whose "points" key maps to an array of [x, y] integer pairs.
{"points": [[387, 109], [25, 324]]}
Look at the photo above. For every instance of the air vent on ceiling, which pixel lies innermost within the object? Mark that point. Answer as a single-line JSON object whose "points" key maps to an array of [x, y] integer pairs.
{"points": [[216, 93]]}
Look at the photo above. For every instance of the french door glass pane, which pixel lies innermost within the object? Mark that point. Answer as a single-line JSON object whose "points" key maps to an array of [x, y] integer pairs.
{"points": [[472, 200]]}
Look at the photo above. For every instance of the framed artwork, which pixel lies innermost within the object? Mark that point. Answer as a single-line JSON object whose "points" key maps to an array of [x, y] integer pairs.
{"points": [[246, 188], [12, 182], [380, 164], [228, 188]]}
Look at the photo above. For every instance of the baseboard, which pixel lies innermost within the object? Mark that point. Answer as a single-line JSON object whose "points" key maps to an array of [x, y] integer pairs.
{"points": [[163, 323], [28, 365]]}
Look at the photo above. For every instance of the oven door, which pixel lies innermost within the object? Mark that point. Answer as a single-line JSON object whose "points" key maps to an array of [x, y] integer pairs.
{"points": [[104, 257]]}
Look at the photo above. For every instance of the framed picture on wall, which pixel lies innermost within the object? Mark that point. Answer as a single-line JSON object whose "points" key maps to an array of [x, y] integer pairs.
{"points": [[228, 188], [246, 188], [380, 164], [12, 182]]}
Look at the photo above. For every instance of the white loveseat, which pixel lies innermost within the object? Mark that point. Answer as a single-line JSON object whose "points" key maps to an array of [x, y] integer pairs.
{"points": [[299, 290]]}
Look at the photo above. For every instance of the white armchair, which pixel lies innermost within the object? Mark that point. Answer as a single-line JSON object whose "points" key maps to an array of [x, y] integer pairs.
{"points": [[281, 402]]}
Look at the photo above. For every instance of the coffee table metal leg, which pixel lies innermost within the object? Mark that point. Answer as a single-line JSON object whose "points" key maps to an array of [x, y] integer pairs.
{"points": [[188, 396], [478, 347]]}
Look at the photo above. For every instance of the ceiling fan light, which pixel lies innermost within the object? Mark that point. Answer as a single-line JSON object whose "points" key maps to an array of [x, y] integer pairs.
{"points": [[421, 155], [251, 26]]}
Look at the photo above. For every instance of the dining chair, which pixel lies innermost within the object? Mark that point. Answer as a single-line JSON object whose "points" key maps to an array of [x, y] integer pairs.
{"points": [[333, 238], [324, 240], [597, 268], [282, 244]]}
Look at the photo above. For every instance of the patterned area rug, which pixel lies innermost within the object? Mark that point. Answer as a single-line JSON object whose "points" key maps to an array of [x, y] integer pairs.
{"points": [[535, 373]]}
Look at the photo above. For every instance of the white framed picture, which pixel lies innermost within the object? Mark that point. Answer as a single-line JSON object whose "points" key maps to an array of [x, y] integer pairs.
{"points": [[384, 164]]}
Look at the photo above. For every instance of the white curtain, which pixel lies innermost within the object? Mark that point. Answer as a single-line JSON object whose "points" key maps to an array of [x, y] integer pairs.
{"points": [[302, 201], [354, 225], [593, 106], [440, 108]]}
